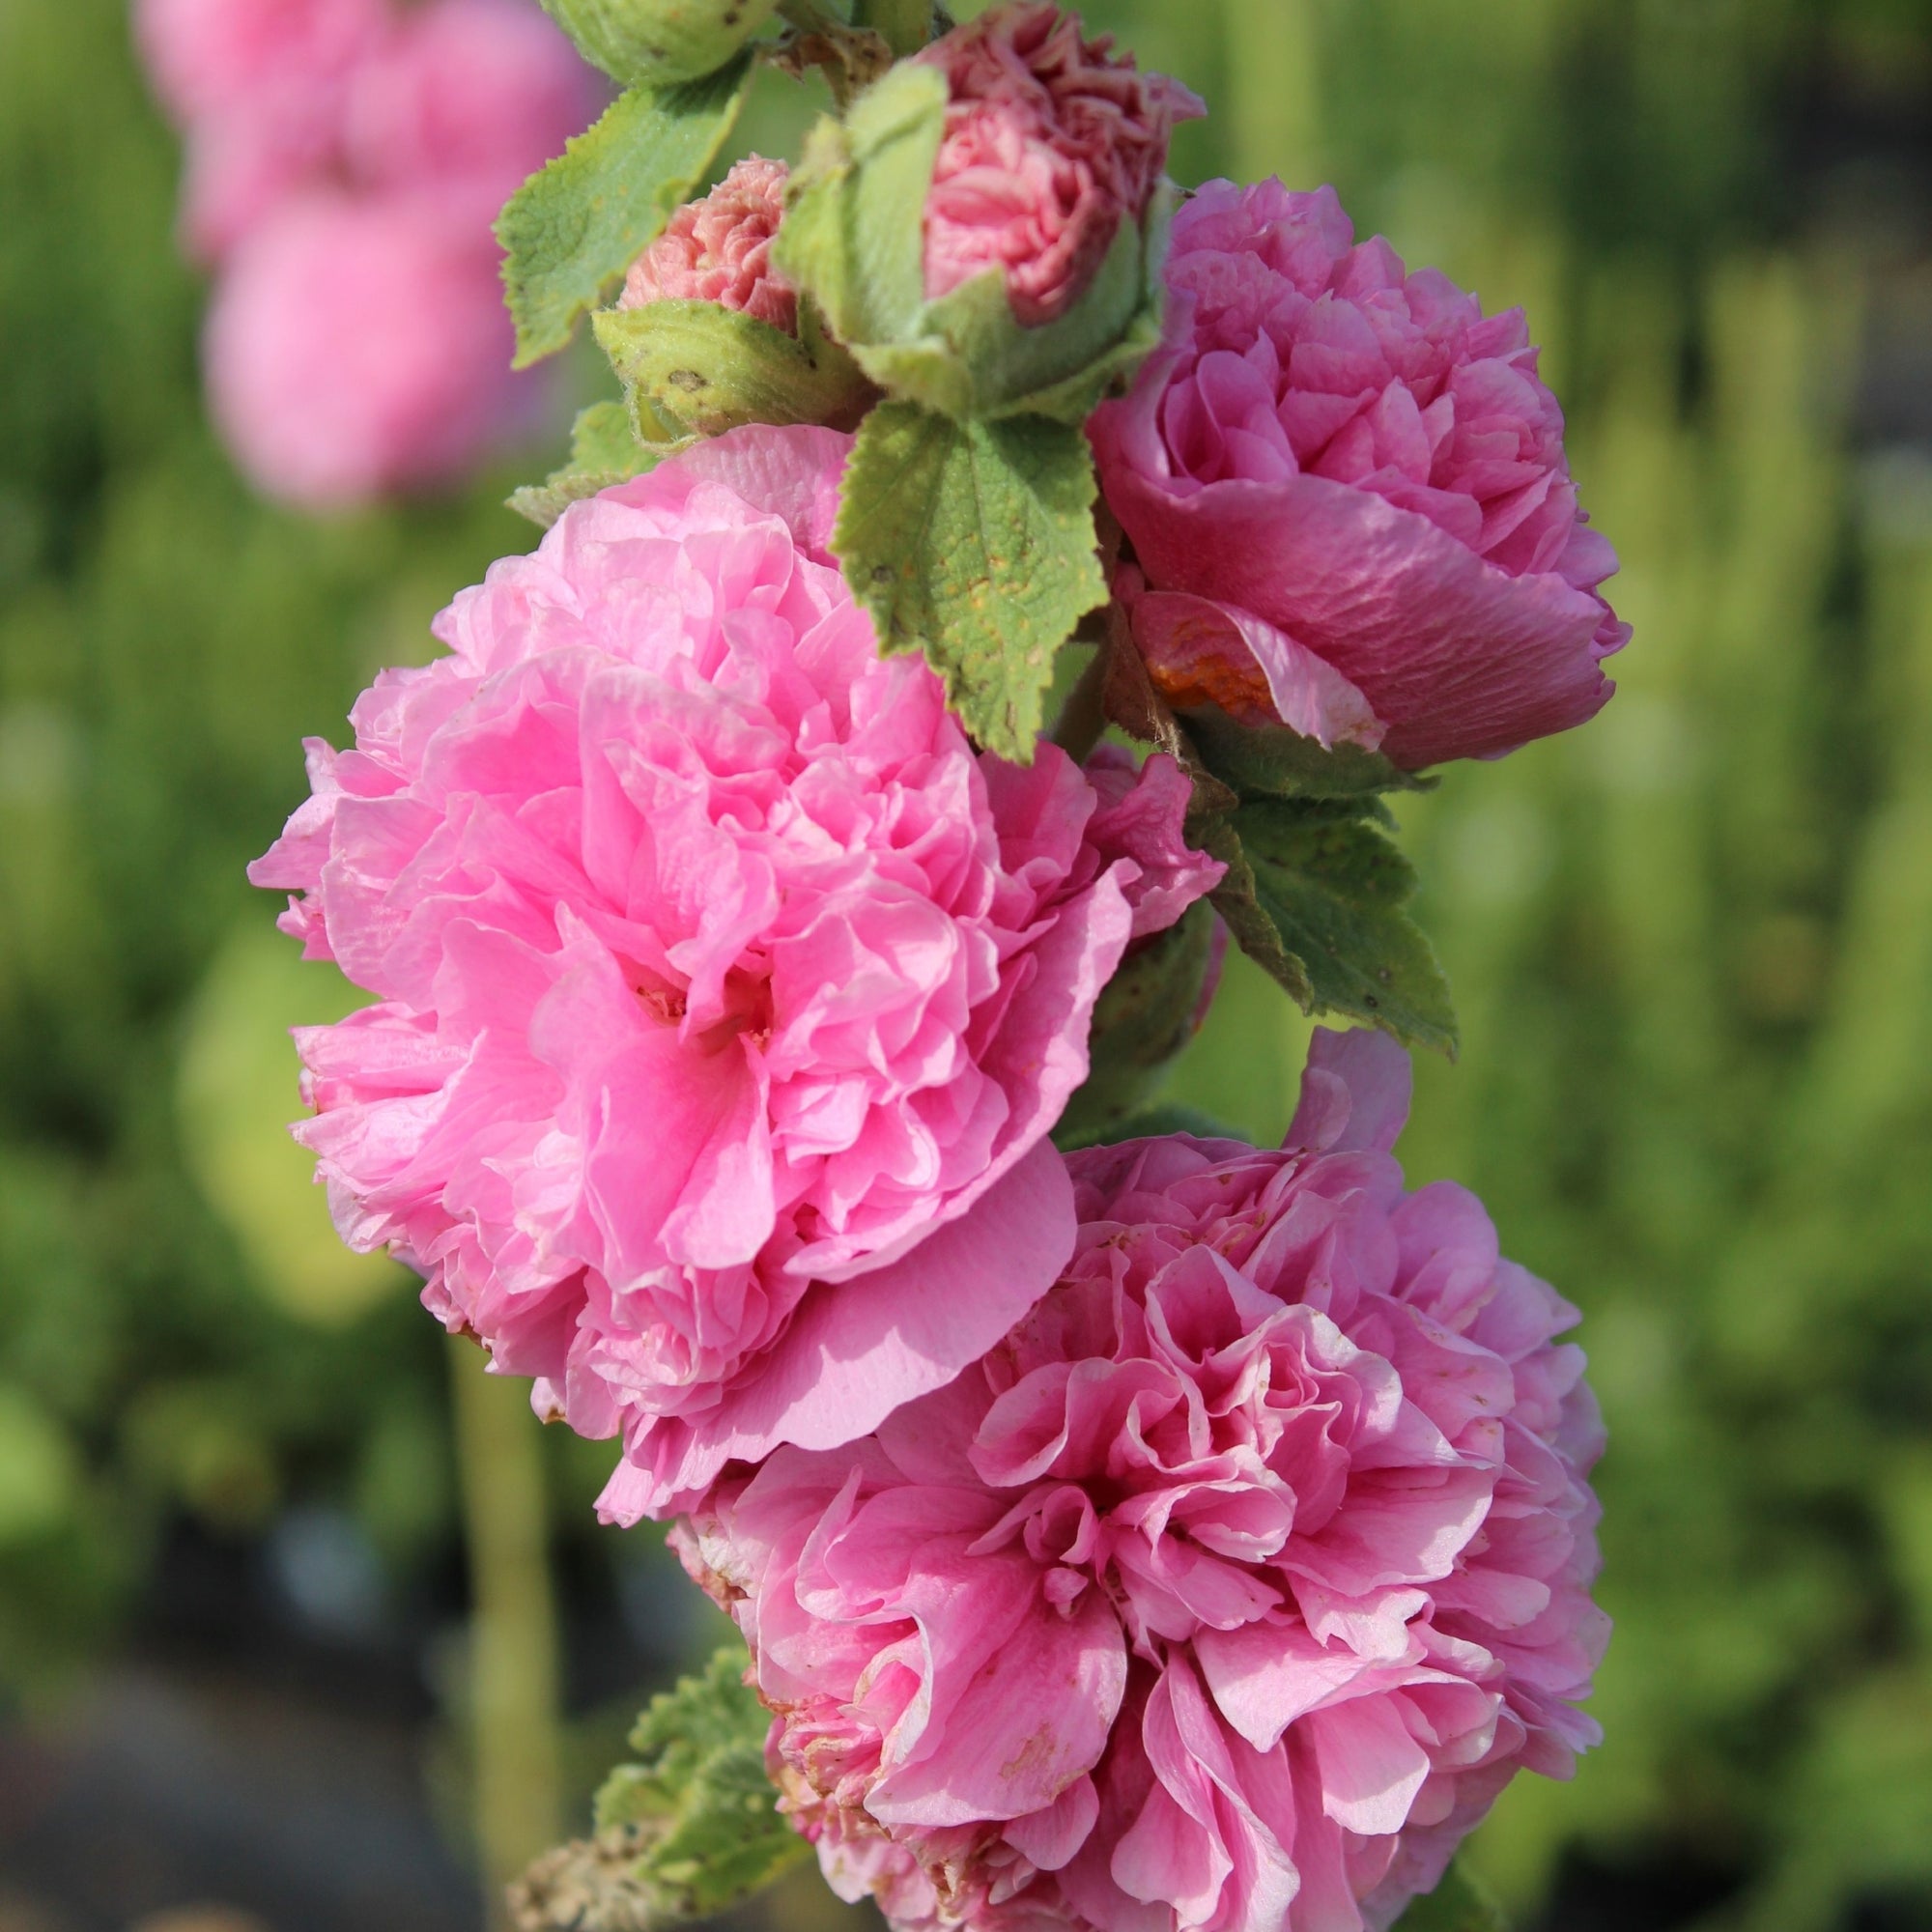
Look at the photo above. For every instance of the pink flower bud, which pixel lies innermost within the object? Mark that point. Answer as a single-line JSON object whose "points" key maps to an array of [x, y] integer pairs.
{"points": [[1050, 142], [1347, 494], [720, 250]]}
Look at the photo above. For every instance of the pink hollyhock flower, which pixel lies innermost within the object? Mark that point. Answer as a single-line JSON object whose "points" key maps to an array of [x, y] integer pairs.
{"points": [[1345, 490], [360, 346], [258, 86], [720, 978], [467, 99], [720, 250], [1227, 1591], [206, 55], [1050, 143]]}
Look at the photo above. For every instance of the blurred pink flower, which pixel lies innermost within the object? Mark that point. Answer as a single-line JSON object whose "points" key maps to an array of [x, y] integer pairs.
{"points": [[1347, 494], [465, 100], [208, 56], [728, 995], [358, 345], [259, 89], [1227, 1591], [1050, 143], [719, 250]]}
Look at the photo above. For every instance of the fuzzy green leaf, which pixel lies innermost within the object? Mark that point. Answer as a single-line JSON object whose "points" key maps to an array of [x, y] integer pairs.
{"points": [[706, 369], [603, 449], [699, 1796], [1316, 898], [975, 543], [1272, 761], [570, 230], [1456, 1905]]}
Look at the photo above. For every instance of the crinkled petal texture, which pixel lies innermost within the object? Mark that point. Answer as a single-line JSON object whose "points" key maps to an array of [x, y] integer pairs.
{"points": [[727, 995], [358, 345], [1050, 143], [719, 250], [1227, 1591], [1346, 489]]}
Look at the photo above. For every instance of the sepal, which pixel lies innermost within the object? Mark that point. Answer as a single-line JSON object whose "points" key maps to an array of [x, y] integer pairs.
{"points": [[697, 368]]}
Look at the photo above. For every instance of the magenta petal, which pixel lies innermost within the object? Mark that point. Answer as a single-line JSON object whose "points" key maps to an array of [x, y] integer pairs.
{"points": [[1032, 1720], [1388, 599], [1371, 1767], [1355, 1092], [1188, 639], [853, 1355]]}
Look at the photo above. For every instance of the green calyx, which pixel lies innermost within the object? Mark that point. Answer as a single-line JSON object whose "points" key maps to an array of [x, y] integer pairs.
{"points": [[853, 238], [696, 368], [659, 42]]}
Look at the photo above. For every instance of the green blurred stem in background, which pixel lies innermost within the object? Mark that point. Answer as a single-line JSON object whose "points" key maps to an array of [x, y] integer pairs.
{"points": [[1270, 102], [515, 1724]]}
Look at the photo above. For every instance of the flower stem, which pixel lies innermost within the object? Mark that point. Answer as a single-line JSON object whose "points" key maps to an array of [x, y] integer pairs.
{"points": [[514, 1689]]}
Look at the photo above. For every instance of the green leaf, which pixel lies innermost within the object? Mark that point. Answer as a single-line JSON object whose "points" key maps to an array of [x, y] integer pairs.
{"points": [[706, 369], [1318, 899], [659, 41], [570, 230], [1272, 761], [701, 1790], [1165, 1117], [1456, 1905], [973, 542], [1147, 1013], [603, 449]]}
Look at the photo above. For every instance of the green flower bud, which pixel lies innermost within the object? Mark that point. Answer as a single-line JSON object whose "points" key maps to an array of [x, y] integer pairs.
{"points": [[659, 43]]}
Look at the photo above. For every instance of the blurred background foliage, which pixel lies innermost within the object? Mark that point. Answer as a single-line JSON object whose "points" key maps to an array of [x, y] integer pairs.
{"points": [[240, 1612]]}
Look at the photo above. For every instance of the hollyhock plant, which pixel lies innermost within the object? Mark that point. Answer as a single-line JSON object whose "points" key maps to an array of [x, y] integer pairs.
{"points": [[727, 995], [719, 250], [1051, 142], [1228, 1590], [1348, 499], [357, 346]]}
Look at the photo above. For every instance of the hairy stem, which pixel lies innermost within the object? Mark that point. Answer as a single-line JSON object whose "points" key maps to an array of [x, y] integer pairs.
{"points": [[514, 1690]]}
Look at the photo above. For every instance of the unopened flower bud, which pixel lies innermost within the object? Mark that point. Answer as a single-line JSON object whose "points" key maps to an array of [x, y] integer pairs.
{"points": [[659, 43]]}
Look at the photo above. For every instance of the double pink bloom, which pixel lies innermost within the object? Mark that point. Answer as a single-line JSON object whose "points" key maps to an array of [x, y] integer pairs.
{"points": [[345, 162], [1348, 499], [727, 995], [1227, 1591]]}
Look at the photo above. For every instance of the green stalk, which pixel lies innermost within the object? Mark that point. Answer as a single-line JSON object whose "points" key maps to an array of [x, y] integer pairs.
{"points": [[514, 1699], [904, 25], [1272, 80]]}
